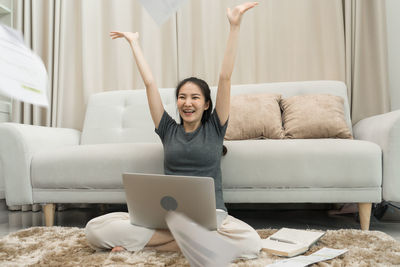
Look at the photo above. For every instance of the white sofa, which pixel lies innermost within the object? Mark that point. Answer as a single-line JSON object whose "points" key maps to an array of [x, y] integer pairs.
{"points": [[54, 165]]}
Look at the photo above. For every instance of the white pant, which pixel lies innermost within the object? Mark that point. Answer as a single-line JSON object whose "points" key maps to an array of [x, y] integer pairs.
{"points": [[115, 229]]}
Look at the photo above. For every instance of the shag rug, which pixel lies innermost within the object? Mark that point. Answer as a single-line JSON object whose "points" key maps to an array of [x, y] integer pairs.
{"points": [[66, 246]]}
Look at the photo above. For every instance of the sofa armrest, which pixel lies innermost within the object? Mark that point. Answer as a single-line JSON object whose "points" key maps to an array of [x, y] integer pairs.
{"points": [[384, 130], [18, 143]]}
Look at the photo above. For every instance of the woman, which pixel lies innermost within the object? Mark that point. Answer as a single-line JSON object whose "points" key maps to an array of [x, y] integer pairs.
{"points": [[193, 147]]}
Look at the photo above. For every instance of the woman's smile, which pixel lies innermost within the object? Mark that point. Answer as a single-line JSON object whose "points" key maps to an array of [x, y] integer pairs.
{"points": [[188, 112]]}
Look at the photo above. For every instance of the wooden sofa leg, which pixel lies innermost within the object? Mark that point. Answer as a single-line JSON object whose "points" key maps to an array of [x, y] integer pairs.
{"points": [[49, 210], [364, 211]]}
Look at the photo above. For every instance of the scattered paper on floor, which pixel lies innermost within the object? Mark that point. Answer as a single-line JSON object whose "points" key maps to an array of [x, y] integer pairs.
{"points": [[323, 254]]}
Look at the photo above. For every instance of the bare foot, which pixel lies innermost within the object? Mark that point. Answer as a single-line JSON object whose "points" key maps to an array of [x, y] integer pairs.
{"points": [[118, 249]]}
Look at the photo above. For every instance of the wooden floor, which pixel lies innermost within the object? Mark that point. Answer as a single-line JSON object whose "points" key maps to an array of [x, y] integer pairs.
{"points": [[300, 216]]}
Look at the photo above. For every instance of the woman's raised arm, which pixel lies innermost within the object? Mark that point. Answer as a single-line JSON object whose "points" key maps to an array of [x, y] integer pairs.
{"points": [[153, 95], [222, 104]]}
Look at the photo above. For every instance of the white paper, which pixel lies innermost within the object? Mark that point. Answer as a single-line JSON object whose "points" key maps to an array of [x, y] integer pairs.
{"points": [[323, 254], [297, 236], [161, 10], [23, 75], [200, 246]]}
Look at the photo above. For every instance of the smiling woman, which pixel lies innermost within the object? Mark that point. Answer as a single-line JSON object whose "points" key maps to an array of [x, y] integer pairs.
{"points": [[191, 148], [194, 102]]}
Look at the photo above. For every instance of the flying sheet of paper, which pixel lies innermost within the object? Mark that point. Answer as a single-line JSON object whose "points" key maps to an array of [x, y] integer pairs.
{"points": [[23, 75], [200, 246], [161, 10], [300, 261]]}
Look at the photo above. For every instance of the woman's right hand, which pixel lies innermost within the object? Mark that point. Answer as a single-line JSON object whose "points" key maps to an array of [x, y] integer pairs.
{"points": [[129, 36]]}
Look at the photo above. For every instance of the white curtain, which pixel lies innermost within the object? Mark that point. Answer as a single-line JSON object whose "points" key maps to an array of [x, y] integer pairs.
{"points": [[280, 40], [366, 57], [285, 40], [72, 38], [95, 63], [38, 21]]}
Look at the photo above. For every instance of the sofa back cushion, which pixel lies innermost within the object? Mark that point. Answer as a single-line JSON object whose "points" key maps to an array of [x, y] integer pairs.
{"points": [[314, 116], [124, 116], [255, 116], [289, 89]]}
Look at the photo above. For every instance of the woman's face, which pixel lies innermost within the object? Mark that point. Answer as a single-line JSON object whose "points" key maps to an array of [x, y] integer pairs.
{"points": [[191, 103]]}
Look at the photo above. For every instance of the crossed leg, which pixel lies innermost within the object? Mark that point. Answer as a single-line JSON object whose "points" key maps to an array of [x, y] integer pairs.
{"points": [[115, 232], [162, 240]]}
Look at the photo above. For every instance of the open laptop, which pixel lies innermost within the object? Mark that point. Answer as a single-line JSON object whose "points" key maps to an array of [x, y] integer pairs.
{"points": [[151, 196]]}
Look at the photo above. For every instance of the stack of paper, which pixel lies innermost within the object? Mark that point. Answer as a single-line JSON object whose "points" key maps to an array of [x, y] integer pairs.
{"points": [[290, 242]]}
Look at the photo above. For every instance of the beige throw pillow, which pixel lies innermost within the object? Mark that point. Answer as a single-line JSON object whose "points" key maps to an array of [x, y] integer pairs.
{"points": [[314, 116], [254, 116]]}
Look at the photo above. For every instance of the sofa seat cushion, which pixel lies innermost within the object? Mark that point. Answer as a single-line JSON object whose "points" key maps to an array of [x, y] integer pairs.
{"points": [[94, 166], [301, 163]]}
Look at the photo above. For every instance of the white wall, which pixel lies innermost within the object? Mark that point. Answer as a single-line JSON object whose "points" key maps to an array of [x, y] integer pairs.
{"points": [[393, 29]]}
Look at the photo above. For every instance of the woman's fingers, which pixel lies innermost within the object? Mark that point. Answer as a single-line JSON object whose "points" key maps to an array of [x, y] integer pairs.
{"points": [[249, 5], [115, 35], [129, 36], [246, 6]]}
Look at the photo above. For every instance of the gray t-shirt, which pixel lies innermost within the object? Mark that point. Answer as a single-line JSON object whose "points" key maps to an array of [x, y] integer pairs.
{"points": [[194, 154]]}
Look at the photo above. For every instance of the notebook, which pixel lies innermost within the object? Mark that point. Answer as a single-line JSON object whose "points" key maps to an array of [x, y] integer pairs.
{"points": [[289, 242]]}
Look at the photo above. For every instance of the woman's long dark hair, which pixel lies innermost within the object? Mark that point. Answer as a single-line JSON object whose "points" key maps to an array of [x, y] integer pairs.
{"points": [[205, 89]]}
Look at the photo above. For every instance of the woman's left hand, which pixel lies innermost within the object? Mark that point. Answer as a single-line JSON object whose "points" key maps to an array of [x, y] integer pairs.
{"points": [[235, 15]]}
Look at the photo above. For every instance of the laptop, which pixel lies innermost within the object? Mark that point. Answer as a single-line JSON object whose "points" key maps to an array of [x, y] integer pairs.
{"points": [[150, 196]]}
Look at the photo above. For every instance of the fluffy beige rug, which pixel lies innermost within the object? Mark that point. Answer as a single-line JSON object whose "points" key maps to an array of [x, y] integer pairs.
{"points": [[66, 246]]}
